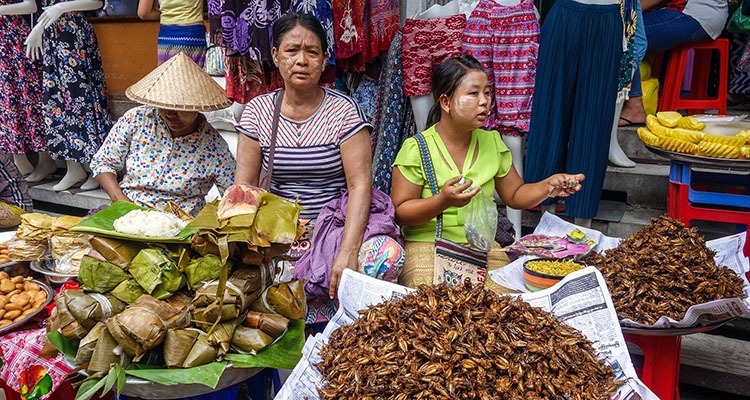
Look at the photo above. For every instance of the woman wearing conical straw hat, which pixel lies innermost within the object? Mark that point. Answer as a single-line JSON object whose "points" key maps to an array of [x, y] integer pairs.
{"points": [[167, 150]]}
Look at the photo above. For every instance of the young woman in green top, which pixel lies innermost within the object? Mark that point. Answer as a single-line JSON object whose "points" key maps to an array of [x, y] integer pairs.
{"points": [[467, 160]]}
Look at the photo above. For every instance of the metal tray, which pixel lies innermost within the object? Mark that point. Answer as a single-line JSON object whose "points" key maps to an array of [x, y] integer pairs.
{"points": [[45, 267], [672, 331], [50, 294], [701, 160]]}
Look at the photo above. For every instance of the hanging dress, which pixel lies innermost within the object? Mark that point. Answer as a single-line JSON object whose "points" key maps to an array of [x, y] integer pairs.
{"points": [[21, 127], [75, 104], [505, 39]]}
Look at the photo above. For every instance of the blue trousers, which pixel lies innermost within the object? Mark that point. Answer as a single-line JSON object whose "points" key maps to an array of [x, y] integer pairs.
{"points": [[574, 95], [665, 30]]}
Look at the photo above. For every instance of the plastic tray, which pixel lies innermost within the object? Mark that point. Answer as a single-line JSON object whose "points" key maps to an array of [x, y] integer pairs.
{"points": [[50, 294]]}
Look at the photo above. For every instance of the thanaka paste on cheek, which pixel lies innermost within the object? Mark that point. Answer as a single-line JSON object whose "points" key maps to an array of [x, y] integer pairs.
{"points": [[465, 105]]}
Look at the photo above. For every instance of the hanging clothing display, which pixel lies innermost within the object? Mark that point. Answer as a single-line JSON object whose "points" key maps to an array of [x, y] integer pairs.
{"points": [[505, 40], [75, 104], [394, 121], [21, 127], [576, 88], [323, 11], [190, 39], [381, 22], [348, 32], [244, 26], [427, 43]]}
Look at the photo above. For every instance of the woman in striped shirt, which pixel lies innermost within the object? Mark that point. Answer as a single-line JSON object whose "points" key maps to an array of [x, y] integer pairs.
{"points": [[322, 144]]}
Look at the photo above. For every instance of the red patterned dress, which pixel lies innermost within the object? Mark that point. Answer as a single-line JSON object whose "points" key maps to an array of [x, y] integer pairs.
{"points": [[21, 127]]}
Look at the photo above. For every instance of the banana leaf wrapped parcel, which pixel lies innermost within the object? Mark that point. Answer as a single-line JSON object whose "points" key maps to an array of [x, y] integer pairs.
{"points": [[106, 353], [285, 298], [62, 320], [90, 308], [240, 290], [88, 343], [186, 348], [144, 324], [118, 252], [203, 268], [249, 340], [220, 336], [274, 325], [99, 276], [128, 291], [156, 273]]}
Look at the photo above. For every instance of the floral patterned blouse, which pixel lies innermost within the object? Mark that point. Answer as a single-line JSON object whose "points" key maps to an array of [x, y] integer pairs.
{"points": [[160, 168]]}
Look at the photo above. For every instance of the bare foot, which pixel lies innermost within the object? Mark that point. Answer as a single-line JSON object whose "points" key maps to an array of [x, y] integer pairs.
{"points": [[632, 112]]}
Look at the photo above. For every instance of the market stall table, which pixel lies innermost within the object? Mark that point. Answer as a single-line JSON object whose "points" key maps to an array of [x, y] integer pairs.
{"points": [[661, 357]]}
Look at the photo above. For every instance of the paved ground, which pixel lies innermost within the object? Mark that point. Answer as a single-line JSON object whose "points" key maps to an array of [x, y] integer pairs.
{"points": [[695, 393]]}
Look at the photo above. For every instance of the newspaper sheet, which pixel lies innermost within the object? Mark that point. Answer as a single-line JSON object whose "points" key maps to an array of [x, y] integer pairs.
{"points": [[580, 300], [728, 253]]}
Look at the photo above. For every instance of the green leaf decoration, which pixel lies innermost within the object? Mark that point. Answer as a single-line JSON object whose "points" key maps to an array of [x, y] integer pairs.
{"points": [[89, 389], [120, 378], [110, 380], [284, 354], [67, 346], [102, 223], [207, 375], [41, 388]]}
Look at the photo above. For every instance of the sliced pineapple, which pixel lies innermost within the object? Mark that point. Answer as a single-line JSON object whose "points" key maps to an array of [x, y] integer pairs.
{"points": [[745, 135], [669, 118], [648, 137], [678, 146], [745, 151], [718, 150], [727, 140], [691, 123], [687, 135], [656, 127]]}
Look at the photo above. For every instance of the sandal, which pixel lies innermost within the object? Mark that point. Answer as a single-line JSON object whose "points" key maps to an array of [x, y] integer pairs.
{"points": [[630, 123]]}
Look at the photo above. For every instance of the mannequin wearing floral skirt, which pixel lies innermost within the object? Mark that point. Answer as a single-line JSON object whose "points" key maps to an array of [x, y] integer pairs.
{"points": [[75, 104], [21, 127]]}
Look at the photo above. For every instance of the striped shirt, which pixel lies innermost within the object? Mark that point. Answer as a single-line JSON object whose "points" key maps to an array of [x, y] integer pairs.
{"points": [[307, 163]]}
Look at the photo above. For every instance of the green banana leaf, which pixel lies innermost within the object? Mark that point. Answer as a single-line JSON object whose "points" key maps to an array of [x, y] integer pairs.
{"points": [[99, 276], [207, 374], [276, 219], [102, 222], [203, 268], [67, 346], [156, 273], [284, 354]]}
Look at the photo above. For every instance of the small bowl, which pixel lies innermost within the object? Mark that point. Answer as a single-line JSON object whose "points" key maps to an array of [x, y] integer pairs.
{"points": [[536, 281]]}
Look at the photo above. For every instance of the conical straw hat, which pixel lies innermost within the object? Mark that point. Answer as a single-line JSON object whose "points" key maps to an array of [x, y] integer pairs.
{"points": [[179, 84]]}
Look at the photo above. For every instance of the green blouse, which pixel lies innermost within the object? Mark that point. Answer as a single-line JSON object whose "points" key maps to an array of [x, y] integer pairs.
{"points": [[493, 161]]}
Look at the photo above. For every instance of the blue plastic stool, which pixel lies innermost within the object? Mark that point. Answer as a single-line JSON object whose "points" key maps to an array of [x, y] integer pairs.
{"points": [[255, 388]]}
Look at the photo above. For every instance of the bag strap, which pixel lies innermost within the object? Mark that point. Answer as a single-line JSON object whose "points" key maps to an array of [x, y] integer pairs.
{"points": [[429, 173], [265, 181]]}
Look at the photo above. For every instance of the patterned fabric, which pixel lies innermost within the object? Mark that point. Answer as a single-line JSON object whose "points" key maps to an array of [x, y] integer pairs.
{"points": [[307, 162], [420, 266], [13, 188], [348, 33], [75, 104], [323, 11], [493, 161], [394, 120], [21, 90], [629, 19], [381, 22], [23, 365], [506, 41], [426, 43], [381, 257], [366, 95], [244, 26], [180, 12], [190, 39], [160, 168]]}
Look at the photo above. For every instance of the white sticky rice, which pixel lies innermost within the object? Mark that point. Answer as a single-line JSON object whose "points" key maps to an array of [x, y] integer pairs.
{"points": [[149, 223]]}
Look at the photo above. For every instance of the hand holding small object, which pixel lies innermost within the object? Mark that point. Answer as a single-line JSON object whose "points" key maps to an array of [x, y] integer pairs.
{"points": [[457, 192], [563, 185]]}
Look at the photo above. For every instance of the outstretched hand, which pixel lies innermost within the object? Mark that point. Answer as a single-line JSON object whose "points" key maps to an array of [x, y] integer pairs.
{"points": [[563, 185], [457, 192]]}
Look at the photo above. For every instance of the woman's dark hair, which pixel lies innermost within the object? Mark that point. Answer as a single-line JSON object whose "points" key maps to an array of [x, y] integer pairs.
{"points": [[446, 78], [288, 21]]}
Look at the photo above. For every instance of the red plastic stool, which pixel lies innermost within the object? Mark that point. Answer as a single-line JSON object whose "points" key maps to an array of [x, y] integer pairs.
{"points": [[698, 101], [661, 363]]}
